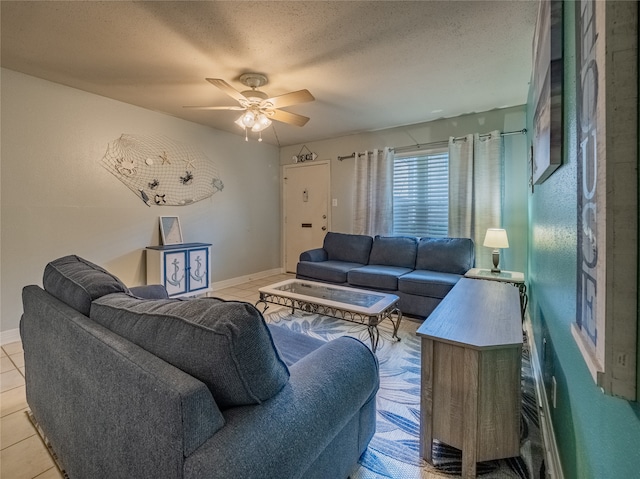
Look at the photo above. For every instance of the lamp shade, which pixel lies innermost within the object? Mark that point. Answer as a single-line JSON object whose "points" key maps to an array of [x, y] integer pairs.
{"points": [[496, 238]]}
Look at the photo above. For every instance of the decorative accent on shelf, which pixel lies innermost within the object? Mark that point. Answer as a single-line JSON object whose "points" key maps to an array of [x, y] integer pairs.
{"points": [[496, 238], [169, 172], [170, 230], [302, 157]]}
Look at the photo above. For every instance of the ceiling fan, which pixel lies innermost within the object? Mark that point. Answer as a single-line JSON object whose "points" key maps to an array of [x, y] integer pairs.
{"points": [[259, 109]]}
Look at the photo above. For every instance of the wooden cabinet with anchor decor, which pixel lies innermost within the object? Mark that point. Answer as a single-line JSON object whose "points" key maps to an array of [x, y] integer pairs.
{"points": [[183, 269]]}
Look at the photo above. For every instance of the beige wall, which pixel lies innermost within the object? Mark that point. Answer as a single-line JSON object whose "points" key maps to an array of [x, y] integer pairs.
{"points": [[516, 180], [57, 199]]}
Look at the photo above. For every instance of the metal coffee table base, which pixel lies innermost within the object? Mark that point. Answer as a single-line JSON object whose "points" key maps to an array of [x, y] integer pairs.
{"points": [[309, 306]]}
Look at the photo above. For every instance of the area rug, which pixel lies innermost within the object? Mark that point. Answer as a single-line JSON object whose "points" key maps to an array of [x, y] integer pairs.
{"points": [[394, 450]]}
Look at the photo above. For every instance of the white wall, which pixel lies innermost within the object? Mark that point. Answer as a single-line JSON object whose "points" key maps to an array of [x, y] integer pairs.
{"points": [[516, 180], [57, 199]]}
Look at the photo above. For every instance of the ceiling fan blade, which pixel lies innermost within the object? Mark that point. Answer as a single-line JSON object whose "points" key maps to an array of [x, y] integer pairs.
{"points": [[288, 117], [228, 89], [288, 99], [238, 108]]}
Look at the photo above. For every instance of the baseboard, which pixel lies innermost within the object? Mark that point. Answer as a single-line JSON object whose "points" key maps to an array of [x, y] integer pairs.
{"points": [[245, 279], [9, 336], [552, 457]]}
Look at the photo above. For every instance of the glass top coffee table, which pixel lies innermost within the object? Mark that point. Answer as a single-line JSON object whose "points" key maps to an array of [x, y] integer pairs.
{"points": [[351, 304]]}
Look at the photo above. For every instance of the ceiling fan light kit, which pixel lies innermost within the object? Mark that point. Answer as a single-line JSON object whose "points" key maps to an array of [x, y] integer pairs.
{"points": [[255, 120], [259, 108]]}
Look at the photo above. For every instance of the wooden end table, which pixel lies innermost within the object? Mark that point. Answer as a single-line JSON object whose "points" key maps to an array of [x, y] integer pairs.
{"points": [[512, 277]]}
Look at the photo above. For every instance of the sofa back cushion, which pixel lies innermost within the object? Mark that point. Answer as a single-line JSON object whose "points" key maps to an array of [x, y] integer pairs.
{"points": [[77, 282], [224, 344], [394, 251], [447, 255], [346, 247]]}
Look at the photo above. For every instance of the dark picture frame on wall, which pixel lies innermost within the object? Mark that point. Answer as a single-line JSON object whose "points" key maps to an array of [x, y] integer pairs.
{"points": [[547, 91], [589, 327]]}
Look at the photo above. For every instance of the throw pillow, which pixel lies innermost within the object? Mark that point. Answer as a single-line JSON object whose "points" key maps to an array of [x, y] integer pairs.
{"points": [[447, 255], [347, 247], [77, 282], [225, 344], [394, 251]]}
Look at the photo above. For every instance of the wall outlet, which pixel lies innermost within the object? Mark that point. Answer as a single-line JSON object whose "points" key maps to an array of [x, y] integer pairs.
{"points": [[554, 388], [334, 202], [621, 360]]}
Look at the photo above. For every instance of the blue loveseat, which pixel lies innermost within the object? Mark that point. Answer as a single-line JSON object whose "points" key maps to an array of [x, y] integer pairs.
{"points": [[420, 271], [128, 387]]}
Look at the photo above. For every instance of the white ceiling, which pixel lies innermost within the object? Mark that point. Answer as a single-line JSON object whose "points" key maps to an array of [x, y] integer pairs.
{"points": [[369, 64]]}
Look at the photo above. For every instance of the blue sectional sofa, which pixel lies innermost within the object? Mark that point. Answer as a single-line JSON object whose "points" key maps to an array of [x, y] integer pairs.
{"points": [[126, 386], [420, 271]]}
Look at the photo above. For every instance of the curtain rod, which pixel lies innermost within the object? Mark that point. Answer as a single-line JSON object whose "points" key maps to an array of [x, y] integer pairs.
{"points": [[420, 146]]}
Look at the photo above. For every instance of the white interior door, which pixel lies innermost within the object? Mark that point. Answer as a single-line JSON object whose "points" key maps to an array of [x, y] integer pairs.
{"points": [[306, 191]]}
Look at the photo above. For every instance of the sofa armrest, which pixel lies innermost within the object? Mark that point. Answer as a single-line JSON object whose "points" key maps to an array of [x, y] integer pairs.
{"points": [[150, 291], [318, 254], [283, 437]]}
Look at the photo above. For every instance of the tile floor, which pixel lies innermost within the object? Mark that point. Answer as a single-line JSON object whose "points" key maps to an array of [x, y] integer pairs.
{"points": [[22, 453]]}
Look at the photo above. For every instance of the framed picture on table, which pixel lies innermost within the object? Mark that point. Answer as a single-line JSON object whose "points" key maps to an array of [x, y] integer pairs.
{"points": [[170, 230]]}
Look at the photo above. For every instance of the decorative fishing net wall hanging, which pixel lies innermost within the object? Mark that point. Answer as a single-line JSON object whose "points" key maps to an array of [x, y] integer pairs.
{"points": [[161, 171]]}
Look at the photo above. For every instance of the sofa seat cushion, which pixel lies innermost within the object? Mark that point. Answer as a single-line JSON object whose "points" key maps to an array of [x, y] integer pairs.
{"points": [[394, 251], [330, 271], [447, 255], [428, 283], [376, 276], [346, 247], [224, 344], [77, 282]]}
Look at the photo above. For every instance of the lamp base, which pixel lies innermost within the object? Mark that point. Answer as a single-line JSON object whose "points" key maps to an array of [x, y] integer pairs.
{"points": [[496, 259]]}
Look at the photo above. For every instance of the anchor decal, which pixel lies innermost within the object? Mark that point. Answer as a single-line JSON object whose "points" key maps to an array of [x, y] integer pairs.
{"points": [[197, 276], [174, 280]]}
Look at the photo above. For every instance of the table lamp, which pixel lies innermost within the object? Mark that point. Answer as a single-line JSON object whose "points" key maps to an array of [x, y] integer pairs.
{"points": [[496, 238]]}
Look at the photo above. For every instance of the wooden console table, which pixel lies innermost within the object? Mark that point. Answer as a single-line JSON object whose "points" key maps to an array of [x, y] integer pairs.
{"points": [[471, 368]]}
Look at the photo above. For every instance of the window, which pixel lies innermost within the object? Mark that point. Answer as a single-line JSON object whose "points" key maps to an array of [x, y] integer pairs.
{"points": [[421, 193]]}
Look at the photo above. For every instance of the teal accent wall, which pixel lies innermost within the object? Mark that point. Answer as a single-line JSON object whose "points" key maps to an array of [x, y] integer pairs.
{"points": [[598, 436]]}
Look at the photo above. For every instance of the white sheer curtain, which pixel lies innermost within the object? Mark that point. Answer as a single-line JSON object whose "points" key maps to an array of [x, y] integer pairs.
{"points": [[475, 189], [373, 199]]}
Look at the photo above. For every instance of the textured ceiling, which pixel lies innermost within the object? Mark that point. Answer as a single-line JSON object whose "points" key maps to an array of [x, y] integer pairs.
{"points": [[370, 65]]}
